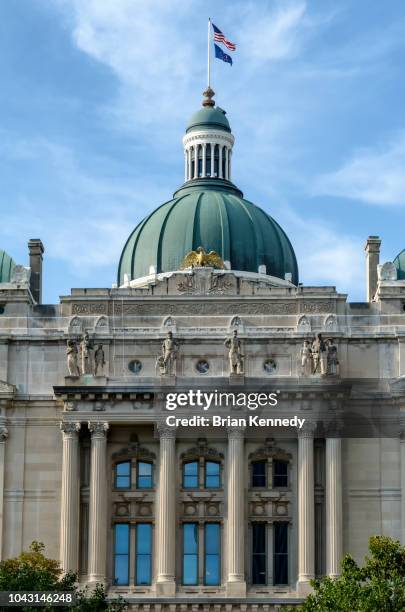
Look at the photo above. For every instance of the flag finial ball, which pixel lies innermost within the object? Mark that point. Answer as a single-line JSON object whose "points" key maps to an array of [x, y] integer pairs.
{"points": [[209, 94]]}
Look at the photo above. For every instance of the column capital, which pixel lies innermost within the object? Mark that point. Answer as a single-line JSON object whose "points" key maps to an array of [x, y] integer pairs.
{"points": [[165, 431], [98, 429], [334, 428], [307, 430], [69, 427], [236, 433]]}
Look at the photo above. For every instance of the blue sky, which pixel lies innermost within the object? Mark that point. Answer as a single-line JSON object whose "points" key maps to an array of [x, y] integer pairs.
{"points": [[95, 96]]}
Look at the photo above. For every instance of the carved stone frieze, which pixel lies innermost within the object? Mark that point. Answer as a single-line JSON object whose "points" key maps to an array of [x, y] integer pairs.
{"points": [[89, 308], [316, 307], [203, 308]]}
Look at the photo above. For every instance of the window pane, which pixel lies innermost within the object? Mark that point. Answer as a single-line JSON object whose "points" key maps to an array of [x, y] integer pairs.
{"points": [[259, 553], [190, 474], [259, 473], [123, 475], [212, 474], [212, 554], [121, 556], [280, 553], [144, 475], [190, 553], [280, 474], [143, 566]]}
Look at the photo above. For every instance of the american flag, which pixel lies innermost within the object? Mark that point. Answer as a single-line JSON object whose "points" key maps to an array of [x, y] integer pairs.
{"points": [[219, 37]]}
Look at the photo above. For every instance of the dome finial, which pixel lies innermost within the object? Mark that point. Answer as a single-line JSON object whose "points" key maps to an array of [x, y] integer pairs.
{"points": [[209, 94]]}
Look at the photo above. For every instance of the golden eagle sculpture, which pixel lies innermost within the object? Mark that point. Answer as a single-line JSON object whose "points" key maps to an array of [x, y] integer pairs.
{"points": [[201, 259]]}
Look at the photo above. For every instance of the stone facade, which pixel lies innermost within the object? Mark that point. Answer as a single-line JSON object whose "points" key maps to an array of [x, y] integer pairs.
{"points": [[61, 436]]}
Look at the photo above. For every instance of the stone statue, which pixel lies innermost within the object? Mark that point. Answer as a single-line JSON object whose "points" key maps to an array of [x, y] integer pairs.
{"points": [[319, 355], [235, 353], [86, 349], [99, 361], [72, 354], [160, 365], [332, 358], [306, 359], [169, 354]]}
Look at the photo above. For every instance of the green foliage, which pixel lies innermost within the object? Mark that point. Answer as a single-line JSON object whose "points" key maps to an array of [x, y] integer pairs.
{"points": [[32, 571], [377, 586]]}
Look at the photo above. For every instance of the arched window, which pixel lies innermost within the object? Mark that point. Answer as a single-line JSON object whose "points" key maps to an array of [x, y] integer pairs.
{"points": [[208, 160], [216, 160], [123, 475], [223, 162], [190, 475], [258, 473], [192, 153], [144, 475], [280, 473], [212, 475]]}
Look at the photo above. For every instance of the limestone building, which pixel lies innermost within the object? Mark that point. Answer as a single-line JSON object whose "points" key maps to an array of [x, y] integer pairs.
{"points": [[206, 518]]}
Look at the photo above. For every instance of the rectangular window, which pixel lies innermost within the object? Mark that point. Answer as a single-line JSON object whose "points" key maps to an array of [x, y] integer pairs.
{"points": [[212, 537], [212, 475], [190, 475], [121, 554], [280, 474], [144, 478], [143, 562], [259, 553], [190, 553], [280, 553], [259, 473], [123, 475]]}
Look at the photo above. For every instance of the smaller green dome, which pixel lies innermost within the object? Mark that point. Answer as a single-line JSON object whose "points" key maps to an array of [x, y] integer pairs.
{"points": [[208, 117], [399, 263], [6, 267]]}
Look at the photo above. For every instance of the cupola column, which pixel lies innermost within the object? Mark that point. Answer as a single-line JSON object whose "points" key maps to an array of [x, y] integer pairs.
{"points": [[195, 162], [226, 163], [212, 159], [204, 159], [185, 165], [220, 162]]}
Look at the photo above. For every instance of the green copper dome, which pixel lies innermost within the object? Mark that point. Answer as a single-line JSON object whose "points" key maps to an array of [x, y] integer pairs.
{"points": [[6, 267], [399, 263], [208, 117], [211, 213]]}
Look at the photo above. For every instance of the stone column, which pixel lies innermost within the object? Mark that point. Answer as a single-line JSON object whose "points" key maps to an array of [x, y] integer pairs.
{"points": [[98, 504], [185, 165], [334, 543], [195, 162], [212, 161], [69, 519], [220, 162], [402, 459], [3, 438], [306, 509], [204, 161], [166, 513], [236, 585], [226, 164]]}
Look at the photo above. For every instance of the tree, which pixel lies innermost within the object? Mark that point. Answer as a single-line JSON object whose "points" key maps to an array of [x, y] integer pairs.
{"points": [[378, 586], [33, 571]]}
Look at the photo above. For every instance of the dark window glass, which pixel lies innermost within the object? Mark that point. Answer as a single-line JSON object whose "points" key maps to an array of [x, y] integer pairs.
{"points": [[259, 473], [280, 473], [144, 478], [259, 553], [208, 160], [121, 554], [190, 553], [280, 553], [212, 475], [212, 537], [123, 475], [216, 160], [143, 567], [190, 475]]}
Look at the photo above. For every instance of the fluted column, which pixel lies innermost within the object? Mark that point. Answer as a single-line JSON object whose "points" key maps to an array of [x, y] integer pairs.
{"points": [[334, 544], [236, 585], [166, 514], [3, 438], [98, 503], [306, 509], [69, 519]]}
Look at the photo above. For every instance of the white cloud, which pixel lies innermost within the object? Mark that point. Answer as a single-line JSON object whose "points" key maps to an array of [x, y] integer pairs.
{"points": [[371, 176]]}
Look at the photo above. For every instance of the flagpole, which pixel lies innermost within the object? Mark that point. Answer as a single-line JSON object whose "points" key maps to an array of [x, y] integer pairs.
{"points": [[209, 52]]}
